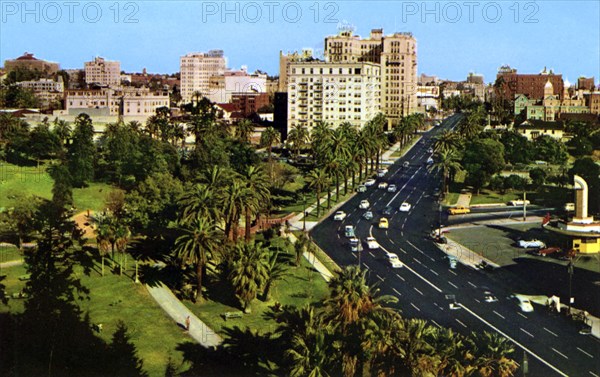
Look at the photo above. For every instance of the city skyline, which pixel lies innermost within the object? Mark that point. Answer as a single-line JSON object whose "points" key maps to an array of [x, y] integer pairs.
{"points": [[449, 45]]}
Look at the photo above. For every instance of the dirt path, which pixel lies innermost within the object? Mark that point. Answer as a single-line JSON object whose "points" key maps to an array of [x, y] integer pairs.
{"points": [[84, 223]]}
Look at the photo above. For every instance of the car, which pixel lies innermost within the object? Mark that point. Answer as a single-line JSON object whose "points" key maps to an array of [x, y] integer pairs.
{"points": [[384, 223], [382, 172], [361, 188], [383, 185], [430, 150], [453, 261], [405, 207], [429, 161], [569, 207], [370, 182], [388, 210], [547, 251], [372, 243], [489, 297], [368, 215], [354, 244], [349, 231], [525, 305], [406, 164], [459, 210], [516, 203], [364, 204], [394, 260], [392, 188], [526, 244], [339, 216]]}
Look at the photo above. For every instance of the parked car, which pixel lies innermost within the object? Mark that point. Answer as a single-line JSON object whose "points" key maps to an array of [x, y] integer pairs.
{"points": [[394, 260], [364, 204], [384, 223], [339, 216], [547, 251], [370, 182], [458, 210], [405, 207], [388, 210], [349, 231], [526, 244], [361, 188], [516, 203], [383, 185], [372, 243], [392, 188], [368, 215]]}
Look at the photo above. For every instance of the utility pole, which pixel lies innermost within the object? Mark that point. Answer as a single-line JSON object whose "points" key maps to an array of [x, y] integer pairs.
{"points": [[524, 206], [570, 271]]}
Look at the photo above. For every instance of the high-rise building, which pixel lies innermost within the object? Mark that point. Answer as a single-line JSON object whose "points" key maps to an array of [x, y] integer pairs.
{"points": [[510, 83], [103, 72], [284, 63], [196, 71], [333, 92], [397, 56]]}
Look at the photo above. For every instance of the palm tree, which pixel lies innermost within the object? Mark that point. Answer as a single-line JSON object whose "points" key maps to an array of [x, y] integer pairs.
{"points": [[382, 338], [447, 163], [453, 352], [277, 269], [419, 353], [249, 272], [492, 355], [200, 201], [62, 130], [196, 246], [235, 200], [446, 141], [298, 138], [269, 137], [244, 129], [318, 181], [257, 186], [321, 136], [300, 247]]}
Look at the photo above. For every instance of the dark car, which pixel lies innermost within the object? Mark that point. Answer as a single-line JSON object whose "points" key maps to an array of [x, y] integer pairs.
{"points": [[388, 210]]}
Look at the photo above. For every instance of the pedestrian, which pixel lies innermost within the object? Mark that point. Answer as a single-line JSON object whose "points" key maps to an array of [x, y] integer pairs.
{"points": [[187, 323]]}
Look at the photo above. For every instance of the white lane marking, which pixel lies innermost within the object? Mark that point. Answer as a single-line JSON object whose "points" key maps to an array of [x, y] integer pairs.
{"points": [[514, 341], [454, 273], [586, 353], [562, 354], [479, 302], [471, 284], [550, 332], [526, 332], [522, 315], [399, 191], [417, 274], [371, 253], [413, 305], [355, 256], [404, 251], [421, 293], [452, 284], [367, 267], [593, 374], [395, 290], [435, 323], [435, 273], [400, 277], [458, 320], [499, 315], [419, 250], [379, 277], [418, 261]]}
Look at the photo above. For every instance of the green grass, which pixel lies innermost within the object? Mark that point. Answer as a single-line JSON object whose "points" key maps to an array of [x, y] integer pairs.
{"points": [[114, 298], [451, 199], [489, 197], [303, 285], [401, 151], [10, 253], [31, 180]]}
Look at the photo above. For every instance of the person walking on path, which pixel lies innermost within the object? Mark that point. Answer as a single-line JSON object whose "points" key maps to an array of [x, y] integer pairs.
{"points": [[187, 323]]}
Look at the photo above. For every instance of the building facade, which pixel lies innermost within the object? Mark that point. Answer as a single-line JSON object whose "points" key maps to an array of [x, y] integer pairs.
{"points": [[333, 93], [222, 87], [510, 83], [126, 102], [103, 72], [551, 106], [28, 61], [47, 91], [196, 70]]}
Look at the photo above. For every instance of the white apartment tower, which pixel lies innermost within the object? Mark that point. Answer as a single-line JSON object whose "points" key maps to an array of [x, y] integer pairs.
{"points": [[334, 93], [197, 69], [397, 56], [103, 72]]}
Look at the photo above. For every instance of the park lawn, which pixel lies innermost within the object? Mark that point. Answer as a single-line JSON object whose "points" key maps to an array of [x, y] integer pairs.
{"points": [[451, 199], [31, 180], [10, 253], [401, 151], [112, 298], [491, 197], [303, 285]]}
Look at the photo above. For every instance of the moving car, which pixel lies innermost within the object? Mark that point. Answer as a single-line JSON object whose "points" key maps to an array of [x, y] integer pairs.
{"points": [[364, 204], [368, 215], [489, 297], [516, 203], [382, 172], [384, 223], [394, 260], [372, 243], [458, 210], [429, 161], [525, 305], [349, 231], [531, 244], [405, 207], [430, 150], [370, 182], [452, 260], [392, 188], [383, 185], [361, 188], [354, 244], [388, 210], [339, 216], [570, 207]]}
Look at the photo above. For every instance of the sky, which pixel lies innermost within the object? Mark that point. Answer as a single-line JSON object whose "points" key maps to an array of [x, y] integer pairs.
{"points": [[453, 37]]}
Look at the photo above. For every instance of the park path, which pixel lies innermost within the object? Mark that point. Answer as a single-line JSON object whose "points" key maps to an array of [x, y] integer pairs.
{"points": [[464, 200]]}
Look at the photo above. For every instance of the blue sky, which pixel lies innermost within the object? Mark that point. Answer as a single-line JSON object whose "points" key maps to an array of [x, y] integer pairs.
{"points": [[454, 38]]}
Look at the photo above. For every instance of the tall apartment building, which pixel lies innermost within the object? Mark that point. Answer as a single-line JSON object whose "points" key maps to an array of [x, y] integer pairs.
{"points": [[397, 56], [531, 85], [284, 63], [196, 71], [103, 72], [333, 92]]}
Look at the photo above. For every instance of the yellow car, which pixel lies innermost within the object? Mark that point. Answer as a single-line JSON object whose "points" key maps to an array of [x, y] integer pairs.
{"points": [[383, 223], [459, 210]]}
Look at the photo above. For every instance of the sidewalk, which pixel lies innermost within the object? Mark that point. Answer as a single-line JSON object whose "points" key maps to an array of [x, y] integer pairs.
{"points": [[203, 334]]}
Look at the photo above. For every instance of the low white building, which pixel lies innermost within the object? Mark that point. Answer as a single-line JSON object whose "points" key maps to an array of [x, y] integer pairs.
{"points": [[221, 87], [46, 90]]}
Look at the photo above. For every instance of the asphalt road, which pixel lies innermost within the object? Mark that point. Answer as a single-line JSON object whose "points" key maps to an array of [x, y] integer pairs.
{"points": [[426, 285]]}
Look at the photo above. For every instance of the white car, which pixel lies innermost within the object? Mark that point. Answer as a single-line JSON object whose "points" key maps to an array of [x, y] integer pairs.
{"points": [[392, 188], [430, 150], [405, 207], [368, 215], [531, 244], [382, 172], [370, 182], [383, 185], [525, 305], [364, 204], [354, 244], [394, 260], [372, 243], [339, 216]]}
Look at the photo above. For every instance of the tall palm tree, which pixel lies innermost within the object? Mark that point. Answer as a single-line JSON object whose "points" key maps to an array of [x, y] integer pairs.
{"points": [[196, 246], [298, 138], [419, 353], [448, 164], [453, 352], [318, 180], [249, 272], [277, 269], [257, 185], [235, 200], [200, 201], [492, 355], [446, 141], [320, 136], [62, 129], [268, 138], [244, 129], [382, 339]]}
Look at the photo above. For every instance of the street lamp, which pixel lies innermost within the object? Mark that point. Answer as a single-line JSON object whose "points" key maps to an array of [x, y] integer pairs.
{"points": [[440, 219], [570, 271], [359, 249]]}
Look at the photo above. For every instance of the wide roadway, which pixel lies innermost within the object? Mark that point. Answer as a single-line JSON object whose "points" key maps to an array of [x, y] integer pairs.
{"points": [[426, 286]]}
